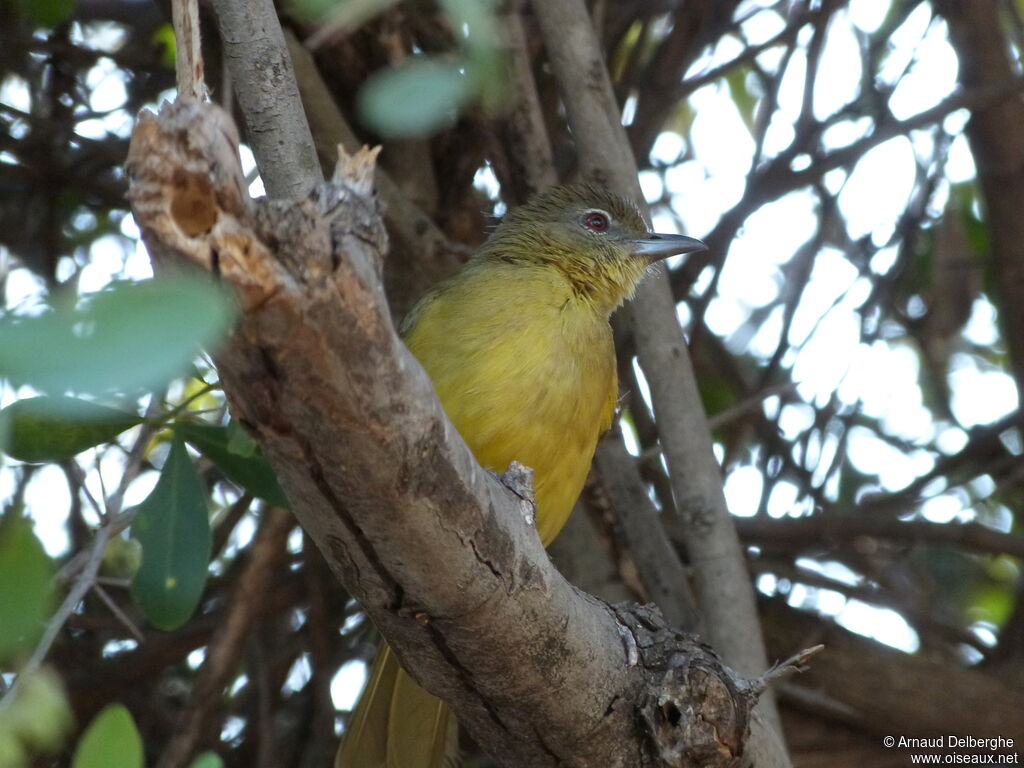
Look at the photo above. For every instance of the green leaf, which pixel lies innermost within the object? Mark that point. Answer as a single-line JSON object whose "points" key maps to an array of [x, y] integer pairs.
{"points": [[110, 741], [415, 98], [40, 716], [128, 337], [208, 760], [976, 229], [26, 586], [173, 527], [474, 23], [57, 428], [241, 463], [478, 35], [164, 37], [240, 442], [623, 52], [746, 103], [122, 558], [46, 13]]}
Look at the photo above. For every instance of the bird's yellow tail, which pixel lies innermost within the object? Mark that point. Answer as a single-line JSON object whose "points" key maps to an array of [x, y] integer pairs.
{"points": [[397, 724]]}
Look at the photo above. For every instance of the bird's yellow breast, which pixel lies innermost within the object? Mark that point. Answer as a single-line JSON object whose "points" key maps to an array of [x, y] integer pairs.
{"points": [[525, 369]]}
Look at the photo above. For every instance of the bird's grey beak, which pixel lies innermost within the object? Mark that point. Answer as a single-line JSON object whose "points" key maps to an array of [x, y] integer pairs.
{"points": [[655, 247]]}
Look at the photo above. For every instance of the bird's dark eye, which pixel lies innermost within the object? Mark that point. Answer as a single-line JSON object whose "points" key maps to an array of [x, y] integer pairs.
{"points": [[596, 221]]}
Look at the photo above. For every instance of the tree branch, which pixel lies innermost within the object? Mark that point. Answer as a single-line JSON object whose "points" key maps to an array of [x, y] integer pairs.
{"points": [[443, 557], [824, 530], [723, 585], [419, 255], [996, 136], [657, 562], [257, 58], [896, 692]]}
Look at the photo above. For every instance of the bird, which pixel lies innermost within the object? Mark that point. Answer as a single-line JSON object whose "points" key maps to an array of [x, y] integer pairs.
{"points": [[518, 345]]}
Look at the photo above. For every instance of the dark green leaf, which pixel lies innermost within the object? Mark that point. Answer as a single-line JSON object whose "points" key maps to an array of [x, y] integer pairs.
{"points": [[415, 98], [46, 13], [110, 741], [977, 234], [26, 591], [173, 527], [57, 428], [125, 338], [247, 467]]}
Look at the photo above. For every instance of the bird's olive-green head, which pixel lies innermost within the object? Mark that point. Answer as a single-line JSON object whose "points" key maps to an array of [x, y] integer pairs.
{"points": [[597, 240]]}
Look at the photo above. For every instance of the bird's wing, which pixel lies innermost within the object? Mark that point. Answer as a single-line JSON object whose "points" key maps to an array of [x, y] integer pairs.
{"points": [[365, 742], [417, 726]]}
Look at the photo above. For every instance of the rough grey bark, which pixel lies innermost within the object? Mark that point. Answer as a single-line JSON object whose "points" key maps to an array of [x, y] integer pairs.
{"points": [[444, 558], [419, 254], [723, 584], [257, 58]]}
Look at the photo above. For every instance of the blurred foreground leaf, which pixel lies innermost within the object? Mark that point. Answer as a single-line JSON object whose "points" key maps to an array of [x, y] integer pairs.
{"points": [[208, 760], [56, 428], [126, 338], [479, 37], [39, 716], [173, 527], [164, 37], [26, 592], [110, 741], [415, 98], [122, 558]]}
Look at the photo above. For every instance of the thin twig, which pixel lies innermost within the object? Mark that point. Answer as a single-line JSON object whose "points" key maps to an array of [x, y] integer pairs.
{"points": [[136, 454], [84, 567], [780, 670], [81, 586], [118, 613], [76, 479]]}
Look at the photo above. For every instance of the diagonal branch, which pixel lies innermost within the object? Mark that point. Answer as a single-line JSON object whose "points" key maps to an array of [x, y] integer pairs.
{"points": [[444, 558]]}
